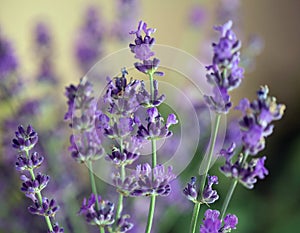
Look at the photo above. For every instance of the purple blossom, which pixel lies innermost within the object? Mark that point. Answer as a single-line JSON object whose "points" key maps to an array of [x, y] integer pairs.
{"points": [[256, 122], [47, 208], [121, 96], [33, 162], [155, 127], [209, 195], [224, 74], [25, 139], [144, 97], [140, 182], [142, 48], [86, 146], [245, 172], [31, 187], [212, 223], [190, 190], [119, 158], [102, 217], [123, 225]]}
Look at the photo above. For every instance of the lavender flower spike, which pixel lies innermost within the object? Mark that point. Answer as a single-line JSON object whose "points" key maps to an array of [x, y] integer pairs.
{"points": [[142, 49], [224, 74], [256, 122], [32, 186]]}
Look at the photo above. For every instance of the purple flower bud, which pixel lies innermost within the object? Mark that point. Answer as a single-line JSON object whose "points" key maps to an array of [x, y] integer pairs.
{"points": [[209, 195], [190, 191], [25, 140], [102, 217]]}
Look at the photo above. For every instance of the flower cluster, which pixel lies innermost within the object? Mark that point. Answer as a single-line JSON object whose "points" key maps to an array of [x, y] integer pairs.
{"points": [[82, 114], [103, 216], [142, 48], [155, 127], [256, 122], [212, 223], [208, 196], [33, 184], [245, 172], [224, 73], [145, 181]]}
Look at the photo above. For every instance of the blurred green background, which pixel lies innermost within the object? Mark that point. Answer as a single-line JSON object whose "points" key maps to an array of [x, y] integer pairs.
{"points": [[274, 205]]}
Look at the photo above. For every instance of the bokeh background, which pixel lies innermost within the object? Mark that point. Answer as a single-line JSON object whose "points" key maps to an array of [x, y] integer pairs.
{"points": [[270, 34]]}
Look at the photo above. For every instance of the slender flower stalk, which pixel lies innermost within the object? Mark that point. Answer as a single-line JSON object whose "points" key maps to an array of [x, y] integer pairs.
{"points": [[197, 205], [39, 194], [122, 177], [25, 141]]}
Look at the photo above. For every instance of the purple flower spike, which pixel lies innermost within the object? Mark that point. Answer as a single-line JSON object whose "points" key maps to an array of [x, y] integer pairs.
{"points": [[142, 48], [190, 191], [209, 195], [102, 217], [256, 122], [212, 223], [25, 139], [224, 74]]}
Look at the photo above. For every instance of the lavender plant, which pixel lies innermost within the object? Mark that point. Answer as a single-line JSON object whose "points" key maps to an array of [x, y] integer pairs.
{"points": [[224, 75], [126, 116]]}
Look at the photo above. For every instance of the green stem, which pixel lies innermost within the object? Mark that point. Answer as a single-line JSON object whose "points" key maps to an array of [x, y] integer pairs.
{"points": [[195, 217], [230, 191], [102, 230], [154, 160], [211, 150], [150, 214], [151, 86], [203, 179], [228, 197], [121, 196], [40, 198], [93, 183]]}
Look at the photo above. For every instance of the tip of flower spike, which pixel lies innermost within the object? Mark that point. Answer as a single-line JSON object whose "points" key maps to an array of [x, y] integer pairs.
{"points": [[224, 28]]}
